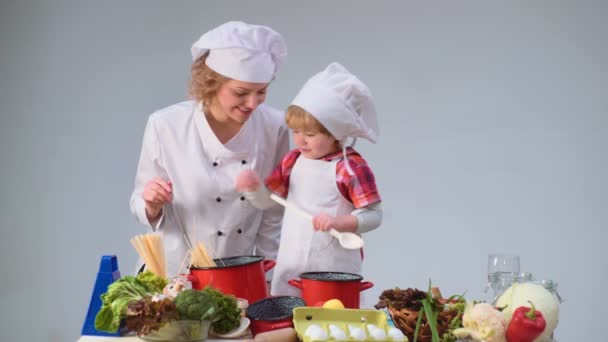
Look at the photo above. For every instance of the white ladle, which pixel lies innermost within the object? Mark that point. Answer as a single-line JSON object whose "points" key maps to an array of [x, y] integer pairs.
{"points": [[347, 240]]}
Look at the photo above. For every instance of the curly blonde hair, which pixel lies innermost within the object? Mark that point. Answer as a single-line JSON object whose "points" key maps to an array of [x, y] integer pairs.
{"points": [[298, 118], [204, 82]]}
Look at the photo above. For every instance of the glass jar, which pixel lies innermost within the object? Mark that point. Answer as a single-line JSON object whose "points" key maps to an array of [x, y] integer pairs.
{"points": [[501, 283], [524, 277], [551, 286]]}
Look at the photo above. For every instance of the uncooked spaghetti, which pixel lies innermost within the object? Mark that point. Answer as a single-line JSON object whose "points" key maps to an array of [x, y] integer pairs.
{"points": [[199, 256], [150, 248]]}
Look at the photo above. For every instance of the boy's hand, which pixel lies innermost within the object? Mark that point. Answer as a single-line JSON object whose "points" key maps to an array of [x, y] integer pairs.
{"points": [[247, 181], [324, 222]]}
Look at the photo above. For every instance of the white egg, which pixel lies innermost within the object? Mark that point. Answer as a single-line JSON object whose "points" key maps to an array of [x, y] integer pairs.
{"points": [[337, 333], [396, 334], [375, 332], [371, 327], [312, 327], [334, 327], [316, 333], [319, 335], [357, 333]]}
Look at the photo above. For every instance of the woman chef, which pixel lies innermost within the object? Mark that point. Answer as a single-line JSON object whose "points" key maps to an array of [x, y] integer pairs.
{"points": [[193, 151]]}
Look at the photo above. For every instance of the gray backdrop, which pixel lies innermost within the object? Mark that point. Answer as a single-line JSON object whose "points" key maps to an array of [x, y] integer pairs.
{"points": [[493, 139]]}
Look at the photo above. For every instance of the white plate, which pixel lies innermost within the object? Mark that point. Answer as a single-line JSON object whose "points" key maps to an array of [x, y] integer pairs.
{"points": [[236, 332]]}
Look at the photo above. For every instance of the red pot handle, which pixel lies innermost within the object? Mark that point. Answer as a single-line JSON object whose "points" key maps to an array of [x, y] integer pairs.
{"points": [[295, 283], [366, 285], [268, 265], [192, 279], [281, 325]]}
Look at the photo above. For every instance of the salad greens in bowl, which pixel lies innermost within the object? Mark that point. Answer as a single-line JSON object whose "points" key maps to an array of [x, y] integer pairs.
{"points": [[157, 310], [180, 331]]}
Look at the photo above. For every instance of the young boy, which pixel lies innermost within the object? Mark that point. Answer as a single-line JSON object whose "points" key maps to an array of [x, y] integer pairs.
{"points": [[323, 177]]}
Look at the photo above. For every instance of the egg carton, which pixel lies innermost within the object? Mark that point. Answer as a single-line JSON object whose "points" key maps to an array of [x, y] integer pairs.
{"points": [[321, 324]]}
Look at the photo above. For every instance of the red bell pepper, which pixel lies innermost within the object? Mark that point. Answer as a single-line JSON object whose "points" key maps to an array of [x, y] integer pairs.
{"points": [[526, 324]]}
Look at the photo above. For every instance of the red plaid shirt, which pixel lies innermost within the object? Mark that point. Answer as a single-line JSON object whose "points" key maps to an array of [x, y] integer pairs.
{"points": [[359, 189]]}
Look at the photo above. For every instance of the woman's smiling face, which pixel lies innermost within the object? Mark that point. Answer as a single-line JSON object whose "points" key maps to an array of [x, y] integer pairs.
{"points": [[236, 100]]}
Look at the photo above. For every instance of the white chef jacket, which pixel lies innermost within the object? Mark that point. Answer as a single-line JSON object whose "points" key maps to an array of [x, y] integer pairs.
{"points": [[180, 146]]}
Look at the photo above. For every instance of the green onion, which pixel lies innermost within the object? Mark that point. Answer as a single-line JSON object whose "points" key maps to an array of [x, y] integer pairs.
{"points": [[431, 318]]}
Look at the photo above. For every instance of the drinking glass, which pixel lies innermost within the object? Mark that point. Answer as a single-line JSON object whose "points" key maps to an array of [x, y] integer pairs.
{"points": [[502, 272], [502, 264]]}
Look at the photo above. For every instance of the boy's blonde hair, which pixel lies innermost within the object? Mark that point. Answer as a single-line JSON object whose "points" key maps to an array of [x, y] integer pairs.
{"points": [[204, 82], [298, 118]]}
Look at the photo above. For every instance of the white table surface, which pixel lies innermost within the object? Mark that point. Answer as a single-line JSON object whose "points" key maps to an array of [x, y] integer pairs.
{"points": [[132, 339]]}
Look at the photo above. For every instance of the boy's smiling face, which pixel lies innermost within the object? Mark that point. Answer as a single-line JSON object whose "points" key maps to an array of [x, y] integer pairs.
{"points": [[314, 144]]}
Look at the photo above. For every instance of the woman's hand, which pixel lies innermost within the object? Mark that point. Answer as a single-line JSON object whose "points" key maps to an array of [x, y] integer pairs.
{"points": [[247, 181], [156, 193]]}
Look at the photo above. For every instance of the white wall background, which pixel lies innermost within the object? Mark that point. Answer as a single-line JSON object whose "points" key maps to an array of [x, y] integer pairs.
{"points": [[493, 119]]}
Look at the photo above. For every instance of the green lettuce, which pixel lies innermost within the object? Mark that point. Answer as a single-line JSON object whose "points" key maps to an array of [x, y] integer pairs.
{"points": [[120, 294]]}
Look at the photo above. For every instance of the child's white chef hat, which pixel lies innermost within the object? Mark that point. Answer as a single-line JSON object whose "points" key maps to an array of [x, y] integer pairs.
{"points": [[341, 102], [244, 52]]}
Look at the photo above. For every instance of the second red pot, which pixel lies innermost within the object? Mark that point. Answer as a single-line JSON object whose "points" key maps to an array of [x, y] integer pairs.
{"points": [[241, 276], [319, 287], [272, 313]]}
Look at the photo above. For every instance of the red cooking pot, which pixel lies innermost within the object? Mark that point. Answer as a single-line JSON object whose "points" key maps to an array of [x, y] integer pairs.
{"points": [[241, 276], [319, 287], [272, 313]]}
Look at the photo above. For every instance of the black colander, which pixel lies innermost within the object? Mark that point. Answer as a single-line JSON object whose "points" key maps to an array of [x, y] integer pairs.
{"points": [[233, 261], [331, 276], [274, 308]]}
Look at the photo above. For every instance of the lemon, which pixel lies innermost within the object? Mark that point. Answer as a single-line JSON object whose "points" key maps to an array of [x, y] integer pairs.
{"points": [[333, 304]]}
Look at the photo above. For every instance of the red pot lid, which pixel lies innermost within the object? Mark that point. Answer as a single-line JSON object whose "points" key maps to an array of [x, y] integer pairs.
{"points": [[274, 308], [232, 262], [331, 276]]}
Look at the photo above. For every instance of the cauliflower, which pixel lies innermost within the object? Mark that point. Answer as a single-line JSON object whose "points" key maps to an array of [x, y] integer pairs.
{"points": [[173, 288], [482, 322]]}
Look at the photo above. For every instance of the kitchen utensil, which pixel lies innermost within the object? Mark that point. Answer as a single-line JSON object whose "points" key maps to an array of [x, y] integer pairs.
{"points": [[280, 335], [241, 276], [272, 313], [319, 287], [236, 332], [347, 240]]}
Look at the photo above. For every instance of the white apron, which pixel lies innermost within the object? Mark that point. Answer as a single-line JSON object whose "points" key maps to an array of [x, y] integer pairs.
{"points": [[312, 187]]}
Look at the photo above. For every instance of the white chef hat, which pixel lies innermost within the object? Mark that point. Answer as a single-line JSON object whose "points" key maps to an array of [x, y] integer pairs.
{"points": [[341, 102], [244, 52]]}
